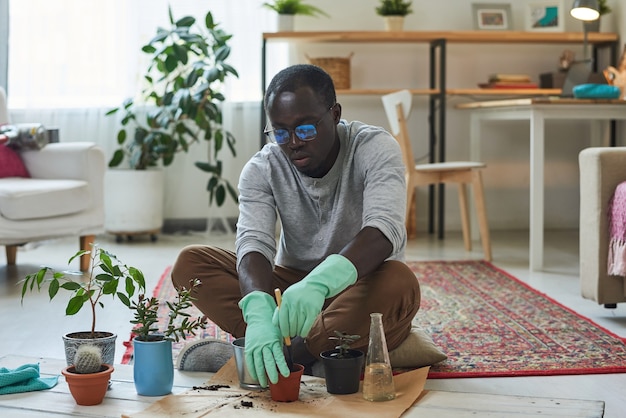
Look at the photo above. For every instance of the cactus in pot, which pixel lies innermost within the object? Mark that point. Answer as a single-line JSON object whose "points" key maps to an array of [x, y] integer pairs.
{"points": [[88, 378], [88, 359]]}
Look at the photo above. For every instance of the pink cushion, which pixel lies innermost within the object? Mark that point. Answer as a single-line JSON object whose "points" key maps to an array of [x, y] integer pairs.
{"points": [[11, 164]]}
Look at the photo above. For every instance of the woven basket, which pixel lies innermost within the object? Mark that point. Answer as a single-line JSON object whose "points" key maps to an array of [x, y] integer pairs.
{"points": [[338, 68]]}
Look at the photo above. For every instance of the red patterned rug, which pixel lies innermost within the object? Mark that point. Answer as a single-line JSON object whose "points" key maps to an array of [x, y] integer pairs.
{"points": [[490, 324]]}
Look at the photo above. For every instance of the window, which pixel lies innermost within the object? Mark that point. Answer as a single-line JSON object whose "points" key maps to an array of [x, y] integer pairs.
{"points": [[86, 53]]}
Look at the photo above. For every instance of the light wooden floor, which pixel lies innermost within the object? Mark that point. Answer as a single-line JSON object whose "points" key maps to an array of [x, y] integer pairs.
{"points": [[35, 328]]}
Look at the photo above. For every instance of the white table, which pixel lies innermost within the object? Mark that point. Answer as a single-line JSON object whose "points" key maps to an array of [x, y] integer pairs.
{"points": [[122, 398], [537, 111]]}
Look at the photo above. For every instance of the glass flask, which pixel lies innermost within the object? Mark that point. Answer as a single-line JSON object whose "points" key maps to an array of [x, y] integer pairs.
{"points": [[378, 380]]}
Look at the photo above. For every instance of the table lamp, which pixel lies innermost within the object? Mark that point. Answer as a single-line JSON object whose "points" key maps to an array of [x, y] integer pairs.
{"points": [[587, 11]]}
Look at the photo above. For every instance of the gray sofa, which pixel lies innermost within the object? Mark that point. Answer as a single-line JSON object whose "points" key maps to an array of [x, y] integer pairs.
{"points": [[601, 170]]}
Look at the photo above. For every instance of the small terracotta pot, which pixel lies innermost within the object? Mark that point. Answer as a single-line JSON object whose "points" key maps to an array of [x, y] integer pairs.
{"points": [[287, 389], [88, 389]]}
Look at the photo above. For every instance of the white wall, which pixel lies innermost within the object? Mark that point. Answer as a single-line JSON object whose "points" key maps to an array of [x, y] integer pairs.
{"points": [[505, 144]]}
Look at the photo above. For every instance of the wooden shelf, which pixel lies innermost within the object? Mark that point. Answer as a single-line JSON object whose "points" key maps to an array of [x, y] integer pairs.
{"points": [[494, 37], [457, 92], [460, 37], [380, 92], [504, 92], [436, 41]]}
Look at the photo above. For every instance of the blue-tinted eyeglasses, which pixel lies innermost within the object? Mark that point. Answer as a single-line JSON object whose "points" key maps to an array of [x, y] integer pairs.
{"points": [[306, 132]]}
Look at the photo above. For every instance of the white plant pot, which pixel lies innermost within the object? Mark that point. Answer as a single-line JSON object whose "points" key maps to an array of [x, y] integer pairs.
{"points": [[394, 23], [285, 23], [133, 201]]}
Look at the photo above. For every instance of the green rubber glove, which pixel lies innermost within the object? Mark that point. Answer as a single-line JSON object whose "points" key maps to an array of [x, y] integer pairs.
{"points": [[264, 344], [302, 302]]}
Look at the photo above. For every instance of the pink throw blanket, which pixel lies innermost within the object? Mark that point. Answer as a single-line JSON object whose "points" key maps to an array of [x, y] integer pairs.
{"points": [[617, 230]]}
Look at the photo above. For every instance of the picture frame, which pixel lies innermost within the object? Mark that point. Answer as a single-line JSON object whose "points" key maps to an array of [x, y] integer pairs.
{"points": [[492, 16], [545, 16]]}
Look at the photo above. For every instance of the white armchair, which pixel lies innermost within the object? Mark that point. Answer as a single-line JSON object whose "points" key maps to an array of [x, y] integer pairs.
{"points": [[64, 195], [601, 170]]}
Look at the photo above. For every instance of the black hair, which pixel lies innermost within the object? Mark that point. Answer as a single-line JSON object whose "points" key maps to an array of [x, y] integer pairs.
{"points": [[302, 75]]}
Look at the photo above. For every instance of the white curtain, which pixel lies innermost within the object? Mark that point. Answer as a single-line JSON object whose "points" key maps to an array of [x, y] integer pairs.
{"points": [[72, 60]]}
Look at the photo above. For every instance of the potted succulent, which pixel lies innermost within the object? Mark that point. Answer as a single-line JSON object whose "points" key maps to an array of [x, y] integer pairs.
{"points": [[107, 276], [88, 377], [343, 365], [179, 106], [287, 9], [394, 12], [153, 367]]}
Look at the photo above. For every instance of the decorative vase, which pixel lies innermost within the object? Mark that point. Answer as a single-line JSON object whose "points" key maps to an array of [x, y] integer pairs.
{"points": [[285, 23], [88, 389], [153, 368], [145, 189], [104, 340], [287, 389], [394, 23], [342, 374]]}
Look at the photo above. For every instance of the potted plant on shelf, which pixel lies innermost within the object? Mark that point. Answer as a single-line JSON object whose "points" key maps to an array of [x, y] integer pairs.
{"points": [[343, 365], [394, 12], [594, 25], [107, 276], [88, 377], [604, 7], [153, 366], [180, 105], [287, 9]]}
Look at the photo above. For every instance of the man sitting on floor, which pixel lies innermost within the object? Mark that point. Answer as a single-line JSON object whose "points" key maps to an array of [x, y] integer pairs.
{"points": [[339, 191]]}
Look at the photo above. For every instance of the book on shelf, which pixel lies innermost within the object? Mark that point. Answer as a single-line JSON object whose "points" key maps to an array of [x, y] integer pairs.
{"points": [[508, 85], [511, 78]]}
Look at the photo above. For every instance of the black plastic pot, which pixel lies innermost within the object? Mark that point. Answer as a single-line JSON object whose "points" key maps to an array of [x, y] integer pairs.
{"points": [[342, 374]]}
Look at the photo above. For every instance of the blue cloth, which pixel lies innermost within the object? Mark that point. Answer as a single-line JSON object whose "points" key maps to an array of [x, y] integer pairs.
{"points": [[24, 379], [596, 91]]}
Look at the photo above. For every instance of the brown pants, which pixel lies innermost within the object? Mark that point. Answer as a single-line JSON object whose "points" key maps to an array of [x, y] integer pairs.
{"points": [[392, 290]]}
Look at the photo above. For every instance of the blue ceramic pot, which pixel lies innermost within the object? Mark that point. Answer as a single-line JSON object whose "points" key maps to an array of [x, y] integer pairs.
{"points": [[153, 368]]}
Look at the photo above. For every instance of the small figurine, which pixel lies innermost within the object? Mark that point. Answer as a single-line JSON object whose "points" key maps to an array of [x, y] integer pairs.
{"points": [[617, 76], [566, 59]]}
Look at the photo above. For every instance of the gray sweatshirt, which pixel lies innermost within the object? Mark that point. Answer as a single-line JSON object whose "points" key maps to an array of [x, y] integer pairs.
{"points": [[319, 216]]}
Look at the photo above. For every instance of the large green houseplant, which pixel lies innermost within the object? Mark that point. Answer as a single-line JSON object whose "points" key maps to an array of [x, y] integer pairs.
{"points": [[181, 103], [107, 277]]}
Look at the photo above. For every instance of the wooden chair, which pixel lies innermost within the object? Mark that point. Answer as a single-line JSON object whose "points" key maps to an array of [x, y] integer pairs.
{"points": [[397, 107]]}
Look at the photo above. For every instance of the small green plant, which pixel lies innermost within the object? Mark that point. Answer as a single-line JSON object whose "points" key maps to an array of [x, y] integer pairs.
{"points": [[294, 7], [343, 343], [88, 359], [107, 276], [603, 7], [394, 8], [145, 317]]}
